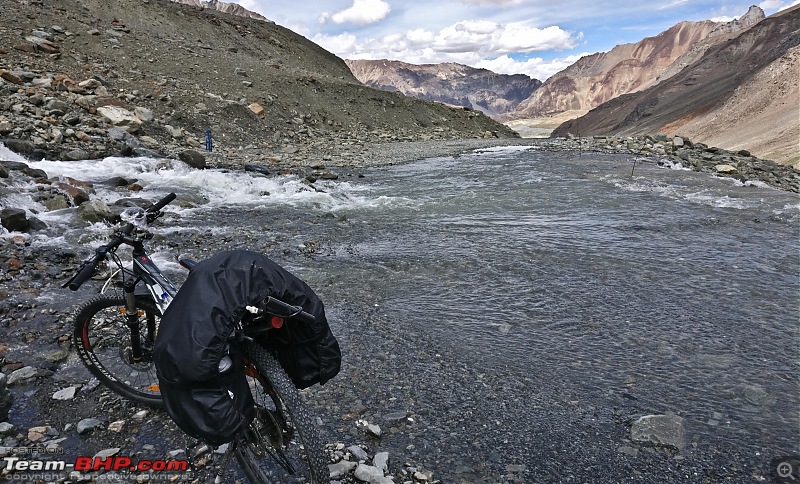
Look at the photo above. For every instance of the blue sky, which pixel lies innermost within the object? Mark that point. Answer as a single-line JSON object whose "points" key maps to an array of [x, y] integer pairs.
{"points": [[533, 37]]}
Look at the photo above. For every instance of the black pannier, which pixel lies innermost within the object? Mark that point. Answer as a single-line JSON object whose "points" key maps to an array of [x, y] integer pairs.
{"points": [[194, 336]]}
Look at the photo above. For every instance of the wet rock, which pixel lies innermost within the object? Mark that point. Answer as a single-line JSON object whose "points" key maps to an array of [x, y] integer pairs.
{"points": [[665, 430], [14, 219], [193, 158], [96, 211], [256, 168]]}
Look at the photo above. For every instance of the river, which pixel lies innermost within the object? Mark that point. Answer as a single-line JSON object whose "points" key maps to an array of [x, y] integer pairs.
{"points": [[582, 290]]}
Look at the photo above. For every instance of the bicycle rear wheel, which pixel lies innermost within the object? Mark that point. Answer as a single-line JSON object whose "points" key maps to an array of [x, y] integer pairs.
{"points": [[282, 444], [102, 339]]}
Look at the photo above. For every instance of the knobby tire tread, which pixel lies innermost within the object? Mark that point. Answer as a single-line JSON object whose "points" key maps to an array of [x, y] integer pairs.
{"points": [[268, 365]]}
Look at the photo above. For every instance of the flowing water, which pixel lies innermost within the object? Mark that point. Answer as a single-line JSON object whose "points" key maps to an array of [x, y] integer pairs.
{"points": [[670, 287]]}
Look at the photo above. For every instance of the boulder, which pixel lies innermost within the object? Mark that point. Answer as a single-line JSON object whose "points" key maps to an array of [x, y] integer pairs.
{"points": [[119, 116], [664, 430], [96, 211], [723, 168], [193, 158], [14, 219]]}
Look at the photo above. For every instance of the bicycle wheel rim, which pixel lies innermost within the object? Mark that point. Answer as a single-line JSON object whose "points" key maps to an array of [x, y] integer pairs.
{"points": [[102, 340]]}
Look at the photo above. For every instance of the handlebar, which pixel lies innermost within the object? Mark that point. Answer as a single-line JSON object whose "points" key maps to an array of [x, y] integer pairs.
{"points": [[162, 203], [84, 273], [88, 267], [285, 310]]}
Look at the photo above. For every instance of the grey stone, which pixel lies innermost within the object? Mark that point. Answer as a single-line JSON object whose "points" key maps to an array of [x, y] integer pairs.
{"points": [[95, 211], [193, 158], [341, 469], [65, 394], [359, 453], [87, 425], [367, 473], [23, 374], [108, 452], [14, 219], [665, 430], [381, 461]]}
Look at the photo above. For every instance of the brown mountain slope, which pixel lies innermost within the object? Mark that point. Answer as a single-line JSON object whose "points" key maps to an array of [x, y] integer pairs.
{"points": [[741, 93], [198, 68], [627, 68], [491, 93]]}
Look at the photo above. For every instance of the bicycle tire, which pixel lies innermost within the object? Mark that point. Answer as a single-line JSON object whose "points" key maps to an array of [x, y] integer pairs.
{"points": [[102, 341], [301, 445]]}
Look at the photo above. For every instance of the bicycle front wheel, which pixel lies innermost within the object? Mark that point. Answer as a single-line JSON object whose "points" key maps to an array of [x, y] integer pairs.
{"points": [[282, 443], [102, 339]]}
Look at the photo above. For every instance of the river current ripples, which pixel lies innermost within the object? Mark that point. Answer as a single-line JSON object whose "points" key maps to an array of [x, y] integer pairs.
{"points": [[670, 287]]}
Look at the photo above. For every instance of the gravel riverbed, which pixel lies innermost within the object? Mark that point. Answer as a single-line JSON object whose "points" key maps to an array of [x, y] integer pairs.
{"points": [[402, 403]]}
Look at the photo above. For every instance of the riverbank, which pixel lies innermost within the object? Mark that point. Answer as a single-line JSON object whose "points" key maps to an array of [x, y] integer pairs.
{"points": [[426, 399]]}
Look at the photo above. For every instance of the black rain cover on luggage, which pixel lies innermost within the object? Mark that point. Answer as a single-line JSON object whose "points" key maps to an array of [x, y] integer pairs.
{"points": [[193, 337]]}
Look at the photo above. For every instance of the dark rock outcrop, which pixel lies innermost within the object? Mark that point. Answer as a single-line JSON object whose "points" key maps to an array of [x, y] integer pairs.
{"points": [[455, 84]]}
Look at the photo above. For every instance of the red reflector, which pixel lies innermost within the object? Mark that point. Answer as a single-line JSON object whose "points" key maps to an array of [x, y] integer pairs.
{"points": [[277, 322]]}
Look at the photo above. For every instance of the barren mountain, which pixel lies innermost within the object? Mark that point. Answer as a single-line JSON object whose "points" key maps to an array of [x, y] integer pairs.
{"points": [[252, 82], [455, 84], [231, 8], [627, 68], [741, 94]]}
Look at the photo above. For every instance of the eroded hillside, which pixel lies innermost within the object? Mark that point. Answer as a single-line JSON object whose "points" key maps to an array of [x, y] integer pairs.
{"points": [[197, 69], [741, 94]]}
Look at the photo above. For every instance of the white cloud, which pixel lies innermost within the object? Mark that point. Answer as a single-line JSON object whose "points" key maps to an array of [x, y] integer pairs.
{"points": [[536, 68], [421, 47], [473, 39], [362, 12]]}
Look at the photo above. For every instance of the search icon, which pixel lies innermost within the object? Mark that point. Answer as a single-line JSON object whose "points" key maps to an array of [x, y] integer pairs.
{"points": [[785, 470]]}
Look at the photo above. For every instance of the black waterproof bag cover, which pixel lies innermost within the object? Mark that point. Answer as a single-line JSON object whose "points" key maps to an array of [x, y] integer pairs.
{"points": [[195, 334]]}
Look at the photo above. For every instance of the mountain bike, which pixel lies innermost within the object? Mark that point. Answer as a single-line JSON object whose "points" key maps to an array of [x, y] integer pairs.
{"points": [[114, 336]]}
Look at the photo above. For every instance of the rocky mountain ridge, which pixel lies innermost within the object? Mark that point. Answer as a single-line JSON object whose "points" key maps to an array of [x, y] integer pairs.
{"points": [[742, 93], [231, 8], [627, 68], [450, 83]]}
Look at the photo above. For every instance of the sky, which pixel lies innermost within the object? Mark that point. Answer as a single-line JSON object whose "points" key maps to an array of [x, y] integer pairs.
{"points": [[533, 37]]}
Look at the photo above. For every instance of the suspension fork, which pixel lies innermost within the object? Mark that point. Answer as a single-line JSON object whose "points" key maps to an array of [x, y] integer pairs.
{"points": [[132, 319]]}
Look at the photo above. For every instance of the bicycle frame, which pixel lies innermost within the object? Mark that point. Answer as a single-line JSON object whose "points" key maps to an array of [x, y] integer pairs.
{"points": [[160, 287]]}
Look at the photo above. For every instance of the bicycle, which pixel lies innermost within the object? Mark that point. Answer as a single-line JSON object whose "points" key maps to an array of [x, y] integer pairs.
{"points": [[115, 334]]}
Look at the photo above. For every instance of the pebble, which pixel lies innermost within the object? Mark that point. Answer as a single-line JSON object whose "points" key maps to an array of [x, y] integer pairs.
{"points": [[108, 452], [368, 473], [341, 469], [87, 425], [65, 394], [22, 375]]}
